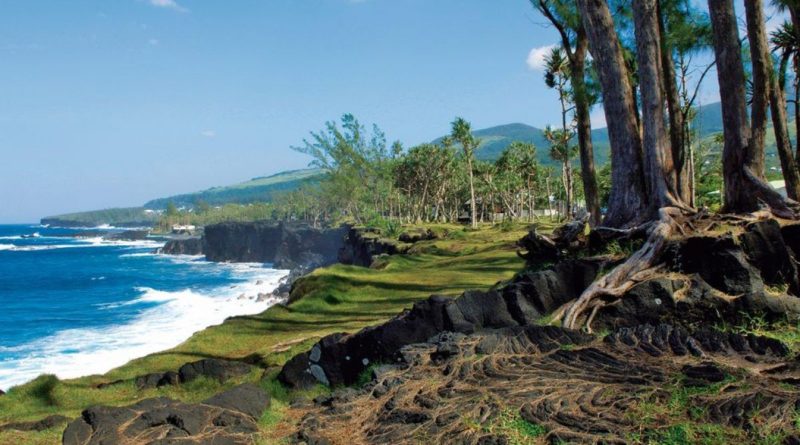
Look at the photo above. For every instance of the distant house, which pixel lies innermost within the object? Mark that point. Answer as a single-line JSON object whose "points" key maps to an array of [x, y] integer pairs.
{"points": [[179, 229]]}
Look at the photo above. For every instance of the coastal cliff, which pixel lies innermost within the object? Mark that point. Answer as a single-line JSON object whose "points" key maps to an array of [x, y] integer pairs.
{"points": [[286, 246]]}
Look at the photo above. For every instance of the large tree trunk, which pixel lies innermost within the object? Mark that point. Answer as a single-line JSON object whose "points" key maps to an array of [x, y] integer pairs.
{"points": [[759, 53], [762, 62], [627, 203], [743, 186], [662, 180], [584, 129], [734, 112], [677, 137]]}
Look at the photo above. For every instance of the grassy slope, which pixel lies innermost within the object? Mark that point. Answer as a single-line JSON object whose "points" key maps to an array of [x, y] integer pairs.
{"points": [[335, 299], [255, 190]]}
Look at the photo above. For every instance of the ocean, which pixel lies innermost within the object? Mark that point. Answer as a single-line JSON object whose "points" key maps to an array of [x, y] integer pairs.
{"points": [[74, 304]]}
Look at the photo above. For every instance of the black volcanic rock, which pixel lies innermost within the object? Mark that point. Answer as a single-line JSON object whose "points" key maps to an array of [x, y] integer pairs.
{"points": [[221, 370], [227, 418], [361, 246], [340, 359], [186, 246], [47, 423], [286, 246]]}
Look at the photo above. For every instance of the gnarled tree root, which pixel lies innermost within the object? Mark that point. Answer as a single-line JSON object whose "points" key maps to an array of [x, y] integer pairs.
{"points": [[639, 267]]}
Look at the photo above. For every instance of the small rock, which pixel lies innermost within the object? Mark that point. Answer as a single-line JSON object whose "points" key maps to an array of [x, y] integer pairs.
{"points": [[241, 297], [259, 283]]}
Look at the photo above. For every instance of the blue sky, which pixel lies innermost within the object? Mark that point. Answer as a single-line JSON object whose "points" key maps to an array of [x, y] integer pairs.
{"points": [[112, 103]]}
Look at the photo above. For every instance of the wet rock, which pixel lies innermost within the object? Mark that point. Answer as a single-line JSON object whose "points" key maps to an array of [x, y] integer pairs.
{"points": [[184, 246]]}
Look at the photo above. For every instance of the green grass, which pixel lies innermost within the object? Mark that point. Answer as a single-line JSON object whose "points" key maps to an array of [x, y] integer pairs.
{"points": [[335, 299]]}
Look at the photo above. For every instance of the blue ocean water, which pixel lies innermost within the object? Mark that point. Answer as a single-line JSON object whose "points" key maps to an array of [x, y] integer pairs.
{"points": [[75, 306]]}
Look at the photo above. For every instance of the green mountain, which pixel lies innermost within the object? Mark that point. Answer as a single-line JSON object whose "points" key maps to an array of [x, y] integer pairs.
{"points": [[261, 189], [493, 141], [496, 139]]}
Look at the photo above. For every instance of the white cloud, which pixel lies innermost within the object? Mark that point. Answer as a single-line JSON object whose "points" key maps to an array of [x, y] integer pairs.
{"points": [[536, 57], [208, 133], [153, 42], [169, 4]]}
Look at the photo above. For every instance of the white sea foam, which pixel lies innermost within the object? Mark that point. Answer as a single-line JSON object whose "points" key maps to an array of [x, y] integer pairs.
{"points": [[174, 318], [84, 243]]}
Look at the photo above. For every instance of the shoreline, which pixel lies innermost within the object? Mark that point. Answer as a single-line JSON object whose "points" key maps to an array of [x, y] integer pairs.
{"points": [[168, 319]]}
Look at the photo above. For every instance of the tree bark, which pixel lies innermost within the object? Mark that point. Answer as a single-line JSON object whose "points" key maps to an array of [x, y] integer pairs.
{"points": [[743, 186], [627, 203], [662, 179], [677, 133], [759, 53], [472, 206], [584, 130], [759, 45]]}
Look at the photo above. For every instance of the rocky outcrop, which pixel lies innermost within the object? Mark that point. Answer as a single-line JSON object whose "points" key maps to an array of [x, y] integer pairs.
{"points": [[227, 418], [340, 359], [361, 246], [286, 246], [711, 279], [183, 246], [566, 386], [217, 369]]}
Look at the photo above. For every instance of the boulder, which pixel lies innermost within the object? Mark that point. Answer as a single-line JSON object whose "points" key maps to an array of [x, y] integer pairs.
{"points": [[718, 260], [248, 399], [221, 370], [765, 248], [186, 246]]}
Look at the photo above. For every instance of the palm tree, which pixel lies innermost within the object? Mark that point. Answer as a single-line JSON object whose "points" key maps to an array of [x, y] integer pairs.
{"points": [[556, 76], [462, 132]]}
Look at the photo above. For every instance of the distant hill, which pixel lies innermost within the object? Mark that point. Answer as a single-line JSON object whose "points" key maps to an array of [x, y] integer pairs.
{"points": [[261, 189], [119, 217], [493, 141], [496, 139]]}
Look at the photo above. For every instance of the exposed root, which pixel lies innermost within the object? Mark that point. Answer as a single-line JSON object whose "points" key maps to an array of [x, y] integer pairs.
{"points": [[778, 205], [635, 269]]}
